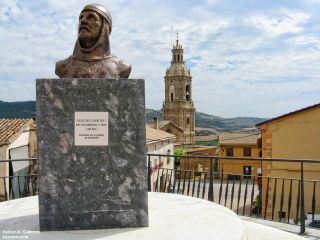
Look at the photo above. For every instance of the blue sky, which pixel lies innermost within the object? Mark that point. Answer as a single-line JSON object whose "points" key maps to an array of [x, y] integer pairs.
{"points": [[247, 58]]}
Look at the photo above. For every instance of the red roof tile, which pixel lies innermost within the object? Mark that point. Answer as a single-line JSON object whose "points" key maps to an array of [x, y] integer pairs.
{"points": [[10, 127]]}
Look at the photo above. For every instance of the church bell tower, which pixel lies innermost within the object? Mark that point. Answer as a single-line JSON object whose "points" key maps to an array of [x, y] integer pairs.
{"points": [[178, 105]]}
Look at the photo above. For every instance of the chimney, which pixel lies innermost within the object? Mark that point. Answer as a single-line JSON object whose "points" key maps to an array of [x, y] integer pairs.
{"points": [[155, 122]]}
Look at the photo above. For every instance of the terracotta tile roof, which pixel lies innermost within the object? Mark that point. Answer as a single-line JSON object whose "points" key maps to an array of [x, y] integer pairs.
{"points": [[289, 114], [165, 123], [155, 135], [238, 138], [10, 127]]}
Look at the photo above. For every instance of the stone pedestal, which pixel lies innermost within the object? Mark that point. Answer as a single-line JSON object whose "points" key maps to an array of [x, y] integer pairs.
{"points": [[91, 153]]}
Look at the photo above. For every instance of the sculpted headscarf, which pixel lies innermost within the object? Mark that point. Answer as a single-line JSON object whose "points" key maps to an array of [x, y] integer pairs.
{"points": [[101, 50]]}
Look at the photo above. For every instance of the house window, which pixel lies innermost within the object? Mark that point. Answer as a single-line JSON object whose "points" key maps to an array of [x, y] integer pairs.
{"points": [[188, 121], [247, 151], [171, 97], [168, 158], [229, 152]]}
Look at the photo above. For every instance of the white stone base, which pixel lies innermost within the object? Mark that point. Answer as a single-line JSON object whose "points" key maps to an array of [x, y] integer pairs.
{"points": [[171, 217]]}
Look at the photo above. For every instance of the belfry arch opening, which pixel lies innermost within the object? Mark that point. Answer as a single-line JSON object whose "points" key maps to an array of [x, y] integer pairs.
{"points": [[188, 93], [171, 91]]}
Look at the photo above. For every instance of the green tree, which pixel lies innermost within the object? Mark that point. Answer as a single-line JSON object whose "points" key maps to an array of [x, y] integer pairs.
{"points": [[178, 153]]}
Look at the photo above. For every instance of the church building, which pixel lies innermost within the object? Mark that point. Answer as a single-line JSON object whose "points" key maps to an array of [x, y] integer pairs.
{"points": [[178, 108]]}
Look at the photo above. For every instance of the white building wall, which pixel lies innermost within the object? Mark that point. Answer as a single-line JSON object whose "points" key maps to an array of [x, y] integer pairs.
{"points": [[17, 149], [161, 163]]}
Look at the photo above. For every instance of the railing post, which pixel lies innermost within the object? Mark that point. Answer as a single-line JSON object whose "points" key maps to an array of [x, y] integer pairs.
{"points": [[149, 174], [6, 197], [210, 193], [260, 189], [302, 224]]}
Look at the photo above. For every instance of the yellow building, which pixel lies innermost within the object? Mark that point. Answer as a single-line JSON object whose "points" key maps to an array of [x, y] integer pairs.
{"points": [[239, 145], [196, 164], [295, 135]]}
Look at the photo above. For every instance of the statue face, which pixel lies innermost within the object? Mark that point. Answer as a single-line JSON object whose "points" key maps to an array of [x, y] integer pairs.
{"points": [[90, 24]]}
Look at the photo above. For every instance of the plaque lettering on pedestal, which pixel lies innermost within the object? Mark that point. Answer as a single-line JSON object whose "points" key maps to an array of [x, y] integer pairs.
{"points": [[91, 129]]}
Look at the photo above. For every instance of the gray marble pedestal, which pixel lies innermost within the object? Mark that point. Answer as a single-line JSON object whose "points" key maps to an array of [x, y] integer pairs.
{"points": [[91, 153]]}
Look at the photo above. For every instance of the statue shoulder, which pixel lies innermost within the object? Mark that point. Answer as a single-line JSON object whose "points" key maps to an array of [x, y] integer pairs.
{"points": [[124, 68], [61, 67]]}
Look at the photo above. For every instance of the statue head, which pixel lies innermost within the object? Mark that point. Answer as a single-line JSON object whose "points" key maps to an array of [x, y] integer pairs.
{"points": [[91, 20], [95, 25], [91, 54]]}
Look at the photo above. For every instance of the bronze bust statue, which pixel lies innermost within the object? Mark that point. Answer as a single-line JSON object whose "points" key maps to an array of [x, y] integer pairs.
{"points": [[91, 56]]}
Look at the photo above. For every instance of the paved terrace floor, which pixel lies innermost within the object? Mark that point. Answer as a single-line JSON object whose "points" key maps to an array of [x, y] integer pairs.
{"points": [[311, 233], [171, 216]]}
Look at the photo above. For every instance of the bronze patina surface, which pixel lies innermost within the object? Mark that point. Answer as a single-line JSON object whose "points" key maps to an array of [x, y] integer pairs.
{"points": [[91, 56]]}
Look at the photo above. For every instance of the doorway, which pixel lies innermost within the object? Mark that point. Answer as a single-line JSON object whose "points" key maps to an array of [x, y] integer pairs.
{"points": [[246, 171]]}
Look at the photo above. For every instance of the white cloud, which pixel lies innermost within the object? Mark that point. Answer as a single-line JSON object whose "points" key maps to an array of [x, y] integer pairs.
{"points": [[247, 62], [284, 22]]}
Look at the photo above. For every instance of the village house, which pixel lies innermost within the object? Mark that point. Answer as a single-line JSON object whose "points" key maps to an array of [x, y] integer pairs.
{"points": [[17, 141], [160, 142], [241, 145], [295, 135], [194, 162]]}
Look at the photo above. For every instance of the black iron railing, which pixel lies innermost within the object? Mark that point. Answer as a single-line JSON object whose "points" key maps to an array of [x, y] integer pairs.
{"points": [[20, 183], [260, 195]]}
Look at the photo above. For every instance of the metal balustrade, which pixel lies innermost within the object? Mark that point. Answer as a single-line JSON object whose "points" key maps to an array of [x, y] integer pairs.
{"points": [[260, 196], [274, 198], [19, 184]]}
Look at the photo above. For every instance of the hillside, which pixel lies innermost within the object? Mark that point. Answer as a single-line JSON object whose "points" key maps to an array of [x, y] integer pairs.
{"points": [[205, 123], [204, 120], [18, 109]]}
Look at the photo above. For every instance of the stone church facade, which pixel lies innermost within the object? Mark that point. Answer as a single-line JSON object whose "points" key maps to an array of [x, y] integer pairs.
{"points": [[178, 106]]}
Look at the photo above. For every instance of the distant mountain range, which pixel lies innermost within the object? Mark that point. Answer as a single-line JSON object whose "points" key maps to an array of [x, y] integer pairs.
{"points": [[203, 120], [18, 109]]}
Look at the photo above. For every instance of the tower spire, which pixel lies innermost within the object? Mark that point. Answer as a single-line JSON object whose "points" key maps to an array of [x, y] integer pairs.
{"points": [[177, 38], [177, 51]]}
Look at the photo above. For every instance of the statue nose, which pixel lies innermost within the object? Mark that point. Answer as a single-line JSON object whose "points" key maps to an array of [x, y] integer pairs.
{"points": [[83, 19]]}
